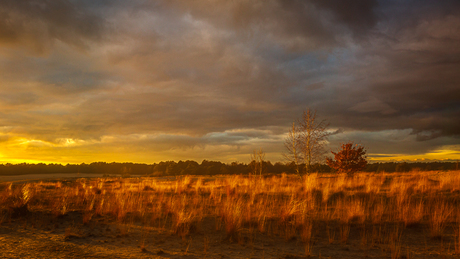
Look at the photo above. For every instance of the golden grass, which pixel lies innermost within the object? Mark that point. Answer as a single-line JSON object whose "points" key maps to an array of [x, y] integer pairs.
{"points": [[382, 205]]}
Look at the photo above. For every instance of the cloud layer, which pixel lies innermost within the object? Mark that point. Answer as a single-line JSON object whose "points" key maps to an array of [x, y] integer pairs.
{"points": [[155, 80]]}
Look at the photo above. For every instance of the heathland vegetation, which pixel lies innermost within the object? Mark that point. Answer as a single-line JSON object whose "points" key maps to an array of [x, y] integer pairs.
{"points": [[372, 215]]}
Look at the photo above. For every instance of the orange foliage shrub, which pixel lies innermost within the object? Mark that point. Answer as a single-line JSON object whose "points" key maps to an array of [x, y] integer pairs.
{"points": [[351, 158]]}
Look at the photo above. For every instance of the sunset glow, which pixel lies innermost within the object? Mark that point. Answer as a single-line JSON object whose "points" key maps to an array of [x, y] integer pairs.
{"points": [[150, 81]]}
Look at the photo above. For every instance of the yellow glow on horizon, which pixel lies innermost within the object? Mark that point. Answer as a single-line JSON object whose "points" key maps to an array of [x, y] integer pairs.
{"points": [[28, 161], [440, 155], [114, 148]]}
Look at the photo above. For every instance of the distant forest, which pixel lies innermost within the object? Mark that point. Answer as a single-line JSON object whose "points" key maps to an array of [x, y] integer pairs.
{"points": [[171, 168]]}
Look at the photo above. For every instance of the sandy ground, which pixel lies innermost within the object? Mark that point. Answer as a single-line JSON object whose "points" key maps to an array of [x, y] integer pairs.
{"points": [[39, 235]]}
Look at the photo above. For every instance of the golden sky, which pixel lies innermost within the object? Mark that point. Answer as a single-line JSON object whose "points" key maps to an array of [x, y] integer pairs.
{"points": [[148, 81]]}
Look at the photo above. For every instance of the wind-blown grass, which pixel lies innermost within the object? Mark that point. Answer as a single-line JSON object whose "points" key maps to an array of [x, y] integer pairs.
{"points": [[382, 205]]}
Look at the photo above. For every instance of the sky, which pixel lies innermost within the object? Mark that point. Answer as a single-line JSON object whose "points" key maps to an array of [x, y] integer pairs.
{"points": [[149, 81]]}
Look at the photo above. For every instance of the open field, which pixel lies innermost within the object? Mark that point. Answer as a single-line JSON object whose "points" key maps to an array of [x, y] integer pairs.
{"points": [[410, 215]]}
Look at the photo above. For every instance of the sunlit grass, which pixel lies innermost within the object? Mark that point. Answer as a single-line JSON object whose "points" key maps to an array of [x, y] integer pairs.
{"points": [[382, 206]]}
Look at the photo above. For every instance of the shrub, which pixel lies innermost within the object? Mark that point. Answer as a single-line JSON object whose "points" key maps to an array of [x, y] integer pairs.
{"points": [[349, 159]]}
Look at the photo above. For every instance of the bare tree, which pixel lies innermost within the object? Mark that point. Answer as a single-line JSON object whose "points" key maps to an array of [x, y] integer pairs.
{"points": [[257, 162], [313, 137], [293, 156], [305, 142]]}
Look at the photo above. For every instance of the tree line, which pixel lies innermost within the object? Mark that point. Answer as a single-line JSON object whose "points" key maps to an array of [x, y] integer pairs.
{"points": [[305, 153], [189, 167]]}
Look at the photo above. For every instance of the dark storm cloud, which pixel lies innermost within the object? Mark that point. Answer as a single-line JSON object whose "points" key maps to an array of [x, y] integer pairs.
{"points": [[193, 115], [393, 142], [229, 76], [36, 24], [408, 75], [359, 15], [294, 24]]}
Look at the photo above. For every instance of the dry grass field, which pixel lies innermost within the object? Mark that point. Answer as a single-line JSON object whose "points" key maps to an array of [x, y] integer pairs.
{"points": [[410, 215]]}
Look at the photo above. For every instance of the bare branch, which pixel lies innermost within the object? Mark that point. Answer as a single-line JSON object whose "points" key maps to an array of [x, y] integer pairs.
{"points": [[293, 150], [312, 136]]}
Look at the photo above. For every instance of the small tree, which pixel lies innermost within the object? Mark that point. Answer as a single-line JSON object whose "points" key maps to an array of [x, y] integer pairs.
{"points": [[313, 136], [305, 141], [257, 162], [350, 159], [293, 155]]}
